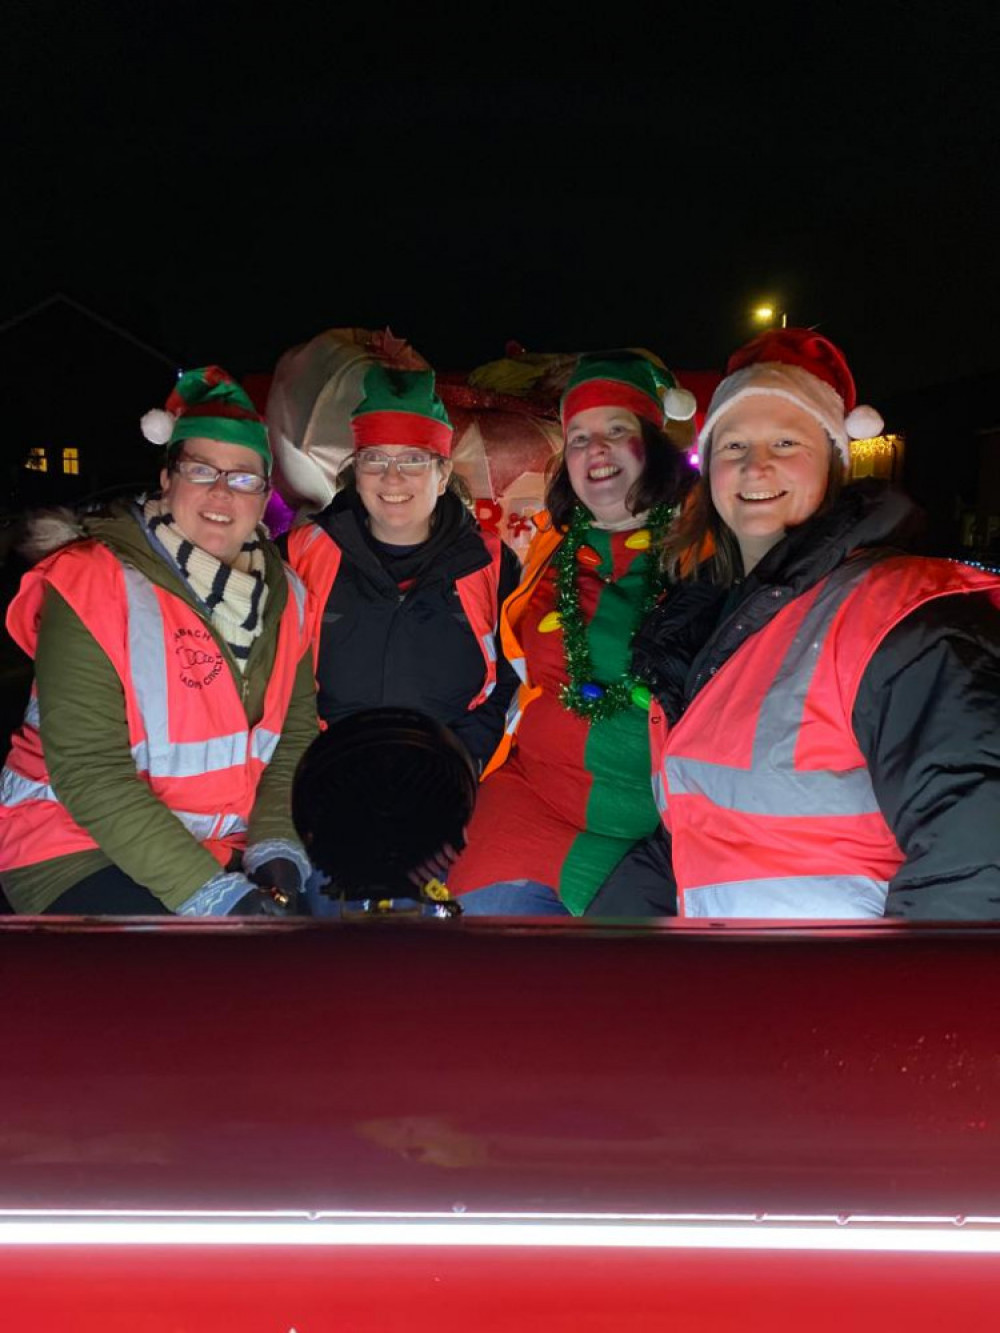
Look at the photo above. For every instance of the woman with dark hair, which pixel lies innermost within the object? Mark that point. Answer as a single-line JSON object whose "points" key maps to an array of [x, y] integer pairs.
{"points": [[173, 691], [567, 793], [826, 721]]}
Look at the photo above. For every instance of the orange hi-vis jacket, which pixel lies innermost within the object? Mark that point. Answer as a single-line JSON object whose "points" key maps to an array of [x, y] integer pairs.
{"points": [[543, 546], [188, 729], [762, 784], [315, 557]]}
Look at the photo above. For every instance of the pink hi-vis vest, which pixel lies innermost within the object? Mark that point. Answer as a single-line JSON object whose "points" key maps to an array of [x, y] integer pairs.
{"points": [[762, 784], [188, 730], [315, 557]]}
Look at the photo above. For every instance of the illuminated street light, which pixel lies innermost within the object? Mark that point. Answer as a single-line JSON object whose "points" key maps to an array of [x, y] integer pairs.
{"points": [[766, 315]]}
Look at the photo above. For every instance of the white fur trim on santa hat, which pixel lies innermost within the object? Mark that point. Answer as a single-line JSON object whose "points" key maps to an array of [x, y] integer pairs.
{"points": [[864, 423], [157, 425], [778, 380]]}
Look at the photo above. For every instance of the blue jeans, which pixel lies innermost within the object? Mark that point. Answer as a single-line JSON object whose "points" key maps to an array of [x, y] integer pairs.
{"points": [[513, 897]]}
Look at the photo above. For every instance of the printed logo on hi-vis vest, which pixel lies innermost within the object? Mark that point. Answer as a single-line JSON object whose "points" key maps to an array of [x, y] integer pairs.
{"points": [[199, 660]]}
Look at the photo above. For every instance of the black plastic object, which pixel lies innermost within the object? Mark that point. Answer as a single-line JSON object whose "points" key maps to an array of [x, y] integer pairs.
{"points": [[378, 794]]}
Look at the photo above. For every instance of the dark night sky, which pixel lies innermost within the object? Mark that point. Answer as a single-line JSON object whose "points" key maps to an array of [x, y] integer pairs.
{"points": [[227, 181]]}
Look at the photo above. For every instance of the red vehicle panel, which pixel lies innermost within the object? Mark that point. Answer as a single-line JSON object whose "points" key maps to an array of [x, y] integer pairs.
{"points": [[229, 1126]]}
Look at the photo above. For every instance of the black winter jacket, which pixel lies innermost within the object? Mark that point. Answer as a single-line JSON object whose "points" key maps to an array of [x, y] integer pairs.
{"points": [[410, 646], [926, 716]]}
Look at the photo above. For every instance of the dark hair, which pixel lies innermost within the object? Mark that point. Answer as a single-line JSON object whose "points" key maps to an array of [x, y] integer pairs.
{"points": [[379, 793], [664, 479], [699, 536]]}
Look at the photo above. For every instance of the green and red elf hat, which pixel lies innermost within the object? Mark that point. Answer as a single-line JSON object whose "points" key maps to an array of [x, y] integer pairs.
{"points": [[629, 380], [401, 407], [208, 404]]}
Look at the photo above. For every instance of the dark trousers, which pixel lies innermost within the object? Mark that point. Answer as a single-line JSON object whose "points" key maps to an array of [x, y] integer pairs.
{"points": [[107, 892]]}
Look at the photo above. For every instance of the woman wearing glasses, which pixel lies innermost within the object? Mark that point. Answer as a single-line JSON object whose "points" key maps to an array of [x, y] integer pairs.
{"points": [[404, 589], [173, 691]]}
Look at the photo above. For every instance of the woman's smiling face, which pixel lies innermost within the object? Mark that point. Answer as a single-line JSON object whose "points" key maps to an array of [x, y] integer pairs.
{"points": [[216, 518], [400, 507], [605, 457], [769, 469]]}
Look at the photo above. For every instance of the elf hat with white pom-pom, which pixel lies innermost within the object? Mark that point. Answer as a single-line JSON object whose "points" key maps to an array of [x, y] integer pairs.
{"points": [[804, 368], [208, 404], [630, 380]]}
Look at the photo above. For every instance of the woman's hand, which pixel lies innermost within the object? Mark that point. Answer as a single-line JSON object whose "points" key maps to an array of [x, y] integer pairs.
{"points": [[267, 902]]}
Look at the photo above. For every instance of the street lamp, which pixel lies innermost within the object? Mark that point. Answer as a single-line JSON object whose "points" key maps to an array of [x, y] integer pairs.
{"points": [[766, 315]]}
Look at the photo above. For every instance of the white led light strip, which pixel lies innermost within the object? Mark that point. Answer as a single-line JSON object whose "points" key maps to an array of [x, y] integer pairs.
{"points": [[973, 1235]]}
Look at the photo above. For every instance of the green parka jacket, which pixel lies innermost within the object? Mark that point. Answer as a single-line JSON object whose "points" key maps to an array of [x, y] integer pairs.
{"points": [[85, 738]]}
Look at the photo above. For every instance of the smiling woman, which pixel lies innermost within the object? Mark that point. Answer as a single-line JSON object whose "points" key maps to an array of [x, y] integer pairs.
{"points": [[173, 690], [405, 589], [216, 493], [772, 466], [561, 809], [825, 728]]}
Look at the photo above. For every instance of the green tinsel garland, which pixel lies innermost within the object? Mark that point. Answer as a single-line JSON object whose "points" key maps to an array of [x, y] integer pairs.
{"points": [[617, 696]]}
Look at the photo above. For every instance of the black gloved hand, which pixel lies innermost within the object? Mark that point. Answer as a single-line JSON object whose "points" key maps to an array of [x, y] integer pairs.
{"points": [[267, 901], [278, 873]]}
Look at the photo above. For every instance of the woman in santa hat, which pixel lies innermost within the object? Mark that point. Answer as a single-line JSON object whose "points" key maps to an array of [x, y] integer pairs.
{"points": [[826, 719]]}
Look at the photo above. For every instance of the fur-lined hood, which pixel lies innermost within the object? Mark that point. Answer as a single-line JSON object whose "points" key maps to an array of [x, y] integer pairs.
{"points": [[45, 531]]}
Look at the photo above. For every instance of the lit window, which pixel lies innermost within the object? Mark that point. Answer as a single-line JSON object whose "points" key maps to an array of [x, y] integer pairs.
{"points": [[879, 456], [37, 461], [71, 462]]}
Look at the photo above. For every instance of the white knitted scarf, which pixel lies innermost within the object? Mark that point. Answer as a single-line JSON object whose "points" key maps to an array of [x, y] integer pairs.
{"points": [[235, 594]]}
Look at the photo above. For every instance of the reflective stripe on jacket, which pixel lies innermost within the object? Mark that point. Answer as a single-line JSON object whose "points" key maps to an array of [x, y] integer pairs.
{"points": [[188, 730], [762, 784], [543, 546], [315, 557]]}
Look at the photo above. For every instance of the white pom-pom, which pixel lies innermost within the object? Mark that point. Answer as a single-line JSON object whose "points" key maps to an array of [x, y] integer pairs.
{"points": [[863, 423], [157, 425], [679, 404]]}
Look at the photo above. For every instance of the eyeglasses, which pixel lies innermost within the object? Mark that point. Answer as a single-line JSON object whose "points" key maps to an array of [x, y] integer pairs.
{"points": [[374, 464], [204, 474]]}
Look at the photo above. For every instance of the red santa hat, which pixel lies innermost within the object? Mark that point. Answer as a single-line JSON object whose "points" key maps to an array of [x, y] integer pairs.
{"points": [[804, 368]]}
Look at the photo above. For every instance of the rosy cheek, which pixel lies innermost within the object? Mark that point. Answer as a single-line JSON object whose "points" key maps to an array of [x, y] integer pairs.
{"points": [[635, 447]]}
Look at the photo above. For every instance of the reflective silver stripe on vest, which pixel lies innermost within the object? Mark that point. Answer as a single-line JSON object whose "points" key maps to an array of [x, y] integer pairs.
{"points": [[790, 897], [772, 785], [518, 664], [513, 715], [15, 789], [157, 756], [298, 590], [263, 744], [489, 642], [210, 826]]}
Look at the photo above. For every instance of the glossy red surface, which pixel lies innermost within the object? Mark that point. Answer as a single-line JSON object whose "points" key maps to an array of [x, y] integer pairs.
{"points": [[555, 1067], [469, 1067], [410, 1292]]}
